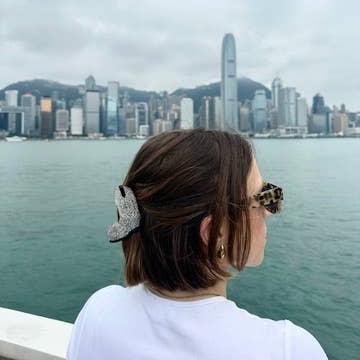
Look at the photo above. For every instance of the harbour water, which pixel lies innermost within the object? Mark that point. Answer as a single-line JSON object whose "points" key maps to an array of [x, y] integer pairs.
{"points": [[56, 201]]}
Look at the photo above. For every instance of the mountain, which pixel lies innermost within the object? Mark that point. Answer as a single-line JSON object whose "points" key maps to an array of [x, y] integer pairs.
{"points": [[41, 87], [246, 91]]}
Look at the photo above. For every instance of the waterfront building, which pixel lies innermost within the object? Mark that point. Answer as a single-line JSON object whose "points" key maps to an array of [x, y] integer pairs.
{"points": [[204, 112], [287, 106], [319, 123], [76, 115], [157, 126], [47, 120], [186, 113], [229, 96], [340, 122], [259, 107], [62, 120], [302, 112], [92, 111], [276, 86], [11, 98], [12, 120], [112, 104], [142, 113], [215, 113], [244, 110], [28, 103], [144, 130]]}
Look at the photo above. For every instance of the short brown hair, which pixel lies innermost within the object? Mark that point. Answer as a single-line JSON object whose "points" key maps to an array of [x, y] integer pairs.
{"points": [[178, 178]]}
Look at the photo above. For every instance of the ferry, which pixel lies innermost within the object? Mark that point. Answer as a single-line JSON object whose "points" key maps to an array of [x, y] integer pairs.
{"points": [[15, 138]]}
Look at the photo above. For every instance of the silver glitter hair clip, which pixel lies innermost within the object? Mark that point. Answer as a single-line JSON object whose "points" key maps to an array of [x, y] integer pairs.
{"points": [[128, 215]]}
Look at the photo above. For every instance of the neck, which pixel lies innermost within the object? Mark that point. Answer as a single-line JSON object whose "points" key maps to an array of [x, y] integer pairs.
{"points": [[219, 289]]}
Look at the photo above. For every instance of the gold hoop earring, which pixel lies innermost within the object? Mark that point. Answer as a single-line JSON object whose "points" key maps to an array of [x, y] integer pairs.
{"points": [[221, 252]]}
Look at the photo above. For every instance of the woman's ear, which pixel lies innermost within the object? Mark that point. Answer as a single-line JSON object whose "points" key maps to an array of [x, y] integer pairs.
{"points": [[205, 228]]}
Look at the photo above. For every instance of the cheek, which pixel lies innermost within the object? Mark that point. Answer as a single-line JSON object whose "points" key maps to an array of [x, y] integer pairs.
{"points": [[258, 239]]}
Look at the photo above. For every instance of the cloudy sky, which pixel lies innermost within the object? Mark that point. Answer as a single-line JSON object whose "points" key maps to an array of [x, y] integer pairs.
{"points": [[163, 45]]}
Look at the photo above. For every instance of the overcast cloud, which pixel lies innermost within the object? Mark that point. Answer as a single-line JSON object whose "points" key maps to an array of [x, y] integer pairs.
{"points": [[163, 45]]}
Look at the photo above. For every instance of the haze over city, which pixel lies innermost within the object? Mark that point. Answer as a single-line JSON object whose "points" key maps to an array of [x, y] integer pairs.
{"points": [[307, 44]]}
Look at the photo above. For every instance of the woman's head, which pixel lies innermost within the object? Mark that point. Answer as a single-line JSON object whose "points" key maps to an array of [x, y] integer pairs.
{"points": [[192, 188]]}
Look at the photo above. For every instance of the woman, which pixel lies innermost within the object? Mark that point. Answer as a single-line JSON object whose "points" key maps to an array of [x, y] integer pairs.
{"points": [[192, 207]]}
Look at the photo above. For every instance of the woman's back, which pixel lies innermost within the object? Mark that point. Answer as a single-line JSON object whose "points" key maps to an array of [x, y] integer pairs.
{"points": [[134, 323]]}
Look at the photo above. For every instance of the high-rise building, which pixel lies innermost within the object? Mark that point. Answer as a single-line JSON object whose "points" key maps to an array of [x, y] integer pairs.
{"points": [[62, 120], [204, 112], [229, 97], [142, 113], [275, 92], [318, 106], [11, 97], [259, 106], [47, 121], [112, 104], [90, 83], [92, 112], [245, 116], [186, 113], [28, 103], [215, 113], [302, 112], [287, 106], [76, 120]]}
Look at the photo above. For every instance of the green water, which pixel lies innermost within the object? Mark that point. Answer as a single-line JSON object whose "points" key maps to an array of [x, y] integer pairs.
{"points": [[56, 201]]}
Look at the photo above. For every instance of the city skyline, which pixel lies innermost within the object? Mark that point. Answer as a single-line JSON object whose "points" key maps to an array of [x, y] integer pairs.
{"points": [[149, 49]]}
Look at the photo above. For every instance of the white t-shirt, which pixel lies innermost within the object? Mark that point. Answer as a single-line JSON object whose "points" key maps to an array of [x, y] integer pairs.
{"points": [[119, 323]]}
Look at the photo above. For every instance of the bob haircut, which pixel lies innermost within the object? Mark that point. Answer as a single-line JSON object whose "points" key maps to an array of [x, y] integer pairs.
{"points": [[179, 177]]}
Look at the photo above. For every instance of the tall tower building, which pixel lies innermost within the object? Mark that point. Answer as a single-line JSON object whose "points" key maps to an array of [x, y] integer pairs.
{"points": [[318, 106], [302, 112], [92, 112], [76, 121], [275, 92], [11, 97], [287, 106], [112, 103], [28, 103], [186, 113], [259, 106], [229, 96], [90, 83], [47, 122], [62, 120]]}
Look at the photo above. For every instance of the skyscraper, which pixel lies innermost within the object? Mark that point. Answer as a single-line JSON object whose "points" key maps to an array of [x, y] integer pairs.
{"points": [[76, 121], [112, 103], [47, 122], [90, 83], [275, 92], [302, 112], [11, 97], [62, 120], [318, 106], [92, 112], [28, 103], [259, 110], [287, 106], [229, 96], [187, 113]]}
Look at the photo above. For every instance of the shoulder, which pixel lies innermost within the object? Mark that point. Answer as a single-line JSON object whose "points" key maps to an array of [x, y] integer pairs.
{"points": [[84, 331], [301, 344]]}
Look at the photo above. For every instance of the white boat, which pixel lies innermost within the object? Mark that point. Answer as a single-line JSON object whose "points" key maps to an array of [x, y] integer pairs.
{"points": [[15, 138]]}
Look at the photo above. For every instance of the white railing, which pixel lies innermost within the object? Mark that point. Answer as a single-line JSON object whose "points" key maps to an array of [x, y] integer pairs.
{"points": [[30, 337]]}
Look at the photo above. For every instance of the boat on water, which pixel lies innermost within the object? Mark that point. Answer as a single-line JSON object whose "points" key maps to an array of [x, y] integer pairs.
{"points": [[15, 138]]}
